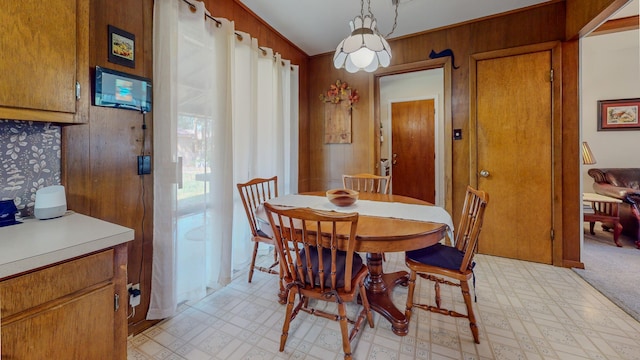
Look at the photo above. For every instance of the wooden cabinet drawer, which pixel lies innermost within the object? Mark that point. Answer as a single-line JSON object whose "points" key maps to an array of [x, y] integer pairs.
{"points": [[42, 286]]}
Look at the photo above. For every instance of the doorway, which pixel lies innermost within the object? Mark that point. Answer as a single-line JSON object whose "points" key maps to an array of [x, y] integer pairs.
{"points": [[419, 81]]}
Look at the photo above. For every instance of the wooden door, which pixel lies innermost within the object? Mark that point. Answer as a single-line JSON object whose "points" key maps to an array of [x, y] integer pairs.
{"points": [[514, 155], [413, 150]]}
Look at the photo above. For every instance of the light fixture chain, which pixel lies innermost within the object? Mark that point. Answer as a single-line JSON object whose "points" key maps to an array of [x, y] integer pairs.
{"points": [[395, 20], [362, 9]]}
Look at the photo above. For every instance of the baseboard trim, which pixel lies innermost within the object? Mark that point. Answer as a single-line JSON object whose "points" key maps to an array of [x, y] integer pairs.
{"points": [[572, 264]]}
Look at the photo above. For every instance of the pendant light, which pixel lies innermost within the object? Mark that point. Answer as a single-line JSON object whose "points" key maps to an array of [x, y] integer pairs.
{"points": [[365, 49]]}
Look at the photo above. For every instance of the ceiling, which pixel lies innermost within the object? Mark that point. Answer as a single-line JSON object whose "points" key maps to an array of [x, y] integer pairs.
{"points": [[317, 27]]}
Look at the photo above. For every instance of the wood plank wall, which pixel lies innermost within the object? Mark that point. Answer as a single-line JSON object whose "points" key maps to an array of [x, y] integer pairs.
{"points": [[99, 158], [553, 21], [328, 162]]}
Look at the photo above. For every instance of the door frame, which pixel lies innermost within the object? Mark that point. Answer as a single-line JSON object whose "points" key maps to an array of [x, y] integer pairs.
{"points": [[445, 64], [556, 128]]}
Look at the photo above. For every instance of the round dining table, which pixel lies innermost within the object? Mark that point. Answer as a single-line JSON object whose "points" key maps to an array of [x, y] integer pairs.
{"points": [[377, 235]]}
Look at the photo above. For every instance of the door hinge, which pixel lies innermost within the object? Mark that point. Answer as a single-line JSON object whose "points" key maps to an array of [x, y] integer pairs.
{"points": [[77, 90], [553, 234], [551, 75], [116, 302]]}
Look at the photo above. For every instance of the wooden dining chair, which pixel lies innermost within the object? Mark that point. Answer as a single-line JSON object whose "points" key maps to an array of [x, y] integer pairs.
{"points": [[253, 194], [367, 183], [314, 268], [455, 262]]}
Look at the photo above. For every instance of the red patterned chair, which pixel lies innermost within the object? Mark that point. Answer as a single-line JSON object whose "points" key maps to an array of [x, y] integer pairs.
{"points": [[623, 184]]}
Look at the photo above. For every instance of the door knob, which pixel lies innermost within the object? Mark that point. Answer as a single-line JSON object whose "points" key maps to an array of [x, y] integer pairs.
{"points": [[484, 173]]}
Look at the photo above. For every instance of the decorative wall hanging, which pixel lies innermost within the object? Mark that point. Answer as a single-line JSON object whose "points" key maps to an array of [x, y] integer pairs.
{"points": [[121, 47], [618, 114], [444, 53], [338, 100]]}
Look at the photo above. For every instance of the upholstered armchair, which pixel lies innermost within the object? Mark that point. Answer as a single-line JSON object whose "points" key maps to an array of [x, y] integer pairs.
{"points": [[623, 184]]}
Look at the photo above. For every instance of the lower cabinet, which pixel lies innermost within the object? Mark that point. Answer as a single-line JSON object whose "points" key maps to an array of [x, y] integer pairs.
{"points": [[72, 310]]}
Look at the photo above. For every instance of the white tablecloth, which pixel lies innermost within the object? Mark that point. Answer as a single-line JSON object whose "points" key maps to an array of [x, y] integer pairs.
{"points": [[396, 210]]}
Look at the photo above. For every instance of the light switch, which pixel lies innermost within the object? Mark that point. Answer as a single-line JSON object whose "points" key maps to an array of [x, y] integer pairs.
{"points": [[457, 134]]}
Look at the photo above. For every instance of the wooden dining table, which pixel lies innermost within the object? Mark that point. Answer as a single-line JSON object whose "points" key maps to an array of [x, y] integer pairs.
{"points": [[377, 235]]}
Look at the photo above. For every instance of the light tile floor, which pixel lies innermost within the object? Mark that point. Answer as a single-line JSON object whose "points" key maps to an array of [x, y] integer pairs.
{"points": [[525, 311]]}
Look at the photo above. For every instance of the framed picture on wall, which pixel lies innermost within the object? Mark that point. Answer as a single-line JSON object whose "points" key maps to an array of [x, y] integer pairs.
{"points": [[121, 47], [618, 114]]}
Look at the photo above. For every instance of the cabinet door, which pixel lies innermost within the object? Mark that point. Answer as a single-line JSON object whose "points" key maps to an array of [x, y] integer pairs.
{"points": [[39, 60], [79, 328]]}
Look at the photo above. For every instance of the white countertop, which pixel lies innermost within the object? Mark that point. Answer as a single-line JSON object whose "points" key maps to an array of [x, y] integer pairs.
{"points": [[36, 243]]}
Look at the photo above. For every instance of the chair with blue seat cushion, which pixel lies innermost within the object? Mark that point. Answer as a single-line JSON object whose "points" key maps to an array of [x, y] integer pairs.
{"points": [[341, 259], [438, 262], [253, 193], [318, 261]]}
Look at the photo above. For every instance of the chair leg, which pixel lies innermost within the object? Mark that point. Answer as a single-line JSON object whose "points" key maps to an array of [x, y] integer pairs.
{"points": [[464, 286], [287, 317], [282, 296], [412, 287], [437, 290], [344, 329], [365, 303], [253, 260]]}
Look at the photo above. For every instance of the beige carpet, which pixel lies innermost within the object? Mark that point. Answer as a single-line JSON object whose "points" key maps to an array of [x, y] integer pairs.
{"points": [[612, 270]]}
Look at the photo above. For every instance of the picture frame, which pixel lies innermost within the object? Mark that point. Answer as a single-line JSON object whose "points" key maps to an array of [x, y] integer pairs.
{"points": [[621, 114], [121, 47]]}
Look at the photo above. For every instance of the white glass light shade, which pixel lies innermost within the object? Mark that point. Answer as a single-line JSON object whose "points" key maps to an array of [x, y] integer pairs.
{"points": [[362, 57], [365, 49]]}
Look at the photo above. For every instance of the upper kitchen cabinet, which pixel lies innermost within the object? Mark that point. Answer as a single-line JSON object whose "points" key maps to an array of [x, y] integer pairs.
{"points": [[44, 60]]}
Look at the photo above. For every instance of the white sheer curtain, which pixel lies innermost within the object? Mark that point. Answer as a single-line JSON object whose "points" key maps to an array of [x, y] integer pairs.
{"points": [[225, 111]]}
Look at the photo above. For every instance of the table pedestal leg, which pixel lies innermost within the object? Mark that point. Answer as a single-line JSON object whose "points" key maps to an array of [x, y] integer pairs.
{"points": [[379, 287]]}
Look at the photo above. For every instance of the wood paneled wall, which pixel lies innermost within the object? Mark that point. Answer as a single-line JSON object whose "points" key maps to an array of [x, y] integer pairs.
{"points": [[100, 158], [328, 161], [584, 16], [551, 21]]}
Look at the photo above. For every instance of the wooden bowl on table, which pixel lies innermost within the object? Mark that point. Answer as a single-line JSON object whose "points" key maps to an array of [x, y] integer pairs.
{"points": [[342, 197]]}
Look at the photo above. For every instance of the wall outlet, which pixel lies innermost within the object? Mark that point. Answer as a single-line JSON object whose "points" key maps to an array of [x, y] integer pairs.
{"points": [[134, 294]]}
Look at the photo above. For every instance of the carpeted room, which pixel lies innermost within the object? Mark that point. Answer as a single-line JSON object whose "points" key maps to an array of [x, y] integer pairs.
{"points": [[612, 270]]}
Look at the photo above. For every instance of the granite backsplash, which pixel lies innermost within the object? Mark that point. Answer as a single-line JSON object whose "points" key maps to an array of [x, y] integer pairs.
{"points": [[30, 153]]}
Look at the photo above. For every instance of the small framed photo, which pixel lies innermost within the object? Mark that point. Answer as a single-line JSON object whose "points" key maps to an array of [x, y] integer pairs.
{"points": [[121, 47], [618, 114]]}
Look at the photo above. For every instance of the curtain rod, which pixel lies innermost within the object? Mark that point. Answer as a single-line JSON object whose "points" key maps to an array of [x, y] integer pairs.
{"points": [[193, 8]]}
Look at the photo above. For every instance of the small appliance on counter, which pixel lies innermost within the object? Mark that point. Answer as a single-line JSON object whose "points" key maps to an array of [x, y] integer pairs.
{"points": [[51, 202], [8, 211]]}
